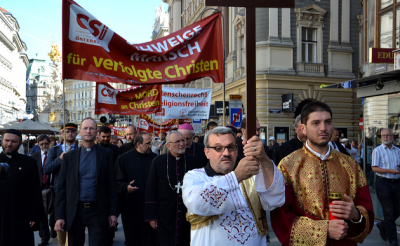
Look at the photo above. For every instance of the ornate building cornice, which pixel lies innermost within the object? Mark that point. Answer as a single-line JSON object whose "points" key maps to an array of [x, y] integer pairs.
{"points": [[311, 14]]}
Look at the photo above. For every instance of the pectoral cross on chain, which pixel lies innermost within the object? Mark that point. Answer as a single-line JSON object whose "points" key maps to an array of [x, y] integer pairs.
{"points": [[178, 187]]}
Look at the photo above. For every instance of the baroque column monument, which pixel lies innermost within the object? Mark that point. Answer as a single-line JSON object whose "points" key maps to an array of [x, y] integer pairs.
{"points": [[52, 113]]}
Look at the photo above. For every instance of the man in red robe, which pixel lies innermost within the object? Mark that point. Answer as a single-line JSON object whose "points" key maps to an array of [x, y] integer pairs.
{"points": [[311, 174]]}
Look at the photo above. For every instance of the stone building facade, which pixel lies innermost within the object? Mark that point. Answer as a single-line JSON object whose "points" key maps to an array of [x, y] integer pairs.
{"points": [[13, 64], [298, 50]]}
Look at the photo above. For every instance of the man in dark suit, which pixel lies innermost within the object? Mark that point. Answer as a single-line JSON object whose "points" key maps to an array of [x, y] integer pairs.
{"points": [[335, 144], [45, 182], [130, 136], [105, 138], [54, 160], [210, 125], [295, 143], [191, 148], [87, 192]]}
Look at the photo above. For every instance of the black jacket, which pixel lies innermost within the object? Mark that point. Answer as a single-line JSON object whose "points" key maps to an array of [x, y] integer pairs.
{"points": [[68, 187], [288, 147]]}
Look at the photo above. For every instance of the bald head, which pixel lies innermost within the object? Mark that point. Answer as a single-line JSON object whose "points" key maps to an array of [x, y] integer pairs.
{"points": [[130, 134]]}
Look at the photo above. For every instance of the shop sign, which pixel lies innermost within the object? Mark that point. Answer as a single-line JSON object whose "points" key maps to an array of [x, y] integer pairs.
{"points": [[287, 102], [381, 55], [219, 108], [380, 67]]}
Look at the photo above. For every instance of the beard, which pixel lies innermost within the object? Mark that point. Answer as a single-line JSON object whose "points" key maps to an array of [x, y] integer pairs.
{"points": [[12, 152], [386, 142], [321, 143]]}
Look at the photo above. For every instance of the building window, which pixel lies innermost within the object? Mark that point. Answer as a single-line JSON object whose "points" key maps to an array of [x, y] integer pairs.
{"points": [[90, 114], [309, 45], [389, 23]]}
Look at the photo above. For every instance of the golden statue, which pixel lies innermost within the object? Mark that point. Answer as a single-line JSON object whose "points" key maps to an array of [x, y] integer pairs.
{"points": [[52, 116], [55, 54]]}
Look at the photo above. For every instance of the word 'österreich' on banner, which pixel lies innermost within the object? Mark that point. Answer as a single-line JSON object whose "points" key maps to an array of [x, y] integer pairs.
{"points": [[186, 103], [94, 52], [130, 101]]}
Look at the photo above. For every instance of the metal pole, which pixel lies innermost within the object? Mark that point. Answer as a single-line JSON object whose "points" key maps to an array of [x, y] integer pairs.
{"points": [[65, 142]]}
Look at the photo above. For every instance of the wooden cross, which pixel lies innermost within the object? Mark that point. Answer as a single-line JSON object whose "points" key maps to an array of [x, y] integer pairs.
{"points": [[251, 6], [178, 187]]}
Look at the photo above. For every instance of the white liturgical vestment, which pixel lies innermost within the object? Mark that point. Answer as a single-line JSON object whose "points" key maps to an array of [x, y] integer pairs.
{"points": [[207, 193]]}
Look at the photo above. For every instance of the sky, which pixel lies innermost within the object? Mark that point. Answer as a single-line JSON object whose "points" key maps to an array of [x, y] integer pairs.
{"points": [[40, 20]]}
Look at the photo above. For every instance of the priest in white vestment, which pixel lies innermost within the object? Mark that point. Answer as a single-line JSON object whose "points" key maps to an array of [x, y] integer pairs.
{"points": [[226, 205]]}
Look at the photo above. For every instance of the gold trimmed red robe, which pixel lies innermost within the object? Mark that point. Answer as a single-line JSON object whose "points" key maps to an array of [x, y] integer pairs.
{"points": [[303, 219]]}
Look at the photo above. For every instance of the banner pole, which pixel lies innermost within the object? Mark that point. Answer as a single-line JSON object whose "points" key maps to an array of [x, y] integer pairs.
{"points": [[65, 142]]}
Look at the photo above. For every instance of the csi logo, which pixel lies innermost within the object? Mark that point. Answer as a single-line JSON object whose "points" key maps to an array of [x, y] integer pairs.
{"points": [[107, 95], [87, 29], [95, 26], [143, 124], [107, 92]]}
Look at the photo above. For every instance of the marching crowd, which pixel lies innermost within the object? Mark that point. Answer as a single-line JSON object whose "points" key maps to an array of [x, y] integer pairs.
{"points": [[182, 189]]}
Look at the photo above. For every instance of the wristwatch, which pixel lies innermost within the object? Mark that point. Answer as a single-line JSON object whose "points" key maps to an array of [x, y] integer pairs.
{"points": [[361, 217]]}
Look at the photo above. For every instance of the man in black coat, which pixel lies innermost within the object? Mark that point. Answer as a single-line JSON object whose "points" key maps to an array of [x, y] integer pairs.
{"points": [[295, 143], [45, 183], [335, 144], [21, 206], [165, 210], [53, 164], [130, 136], [132, 174], [193, 149], [210, 125], [105, 138], [87, 193]]}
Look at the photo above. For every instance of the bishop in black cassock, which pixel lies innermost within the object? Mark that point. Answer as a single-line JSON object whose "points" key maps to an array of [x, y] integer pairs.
{"points": [[133, 170], [20, 195], [193, 149], [165, 210]]}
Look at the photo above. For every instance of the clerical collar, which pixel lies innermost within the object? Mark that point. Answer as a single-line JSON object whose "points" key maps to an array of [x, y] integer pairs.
{"points": [[87, 149], [176, 157], [210, 172], [9, 156], [322, 157]]}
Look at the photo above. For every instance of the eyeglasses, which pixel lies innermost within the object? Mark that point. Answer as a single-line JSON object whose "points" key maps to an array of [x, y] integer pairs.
{"points": [[389, 135], [43, 144], [179, 141], [220, 149], [149, 143]]}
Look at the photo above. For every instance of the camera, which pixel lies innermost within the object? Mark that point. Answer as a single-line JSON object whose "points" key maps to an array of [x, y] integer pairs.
{"points": [[3, 171]]}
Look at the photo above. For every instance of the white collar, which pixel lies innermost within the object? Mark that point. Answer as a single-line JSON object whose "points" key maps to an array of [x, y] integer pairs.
{"points": [[322, 157], [43, 152]]}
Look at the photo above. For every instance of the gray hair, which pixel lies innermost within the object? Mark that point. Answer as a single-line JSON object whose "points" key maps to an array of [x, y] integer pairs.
{"points": [[170, 133], [217, 131], [388, 129], [114, 137], [297, 121]]}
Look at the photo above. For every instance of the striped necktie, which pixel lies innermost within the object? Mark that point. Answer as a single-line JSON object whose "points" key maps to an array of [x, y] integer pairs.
{"points": [[44, 177]]}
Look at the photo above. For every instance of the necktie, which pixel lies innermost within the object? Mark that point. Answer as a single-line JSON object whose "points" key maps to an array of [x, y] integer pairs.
{"points": [[69, 148], [44, 177]]}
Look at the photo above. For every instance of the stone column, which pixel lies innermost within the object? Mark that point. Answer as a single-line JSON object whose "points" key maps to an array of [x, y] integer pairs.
{"points": [[345, 23], [286, 26], [334, 28], [273, 25], [177, 11]]}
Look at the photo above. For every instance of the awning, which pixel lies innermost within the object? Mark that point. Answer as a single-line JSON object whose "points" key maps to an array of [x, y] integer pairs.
{"points": [[370, 80]]}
